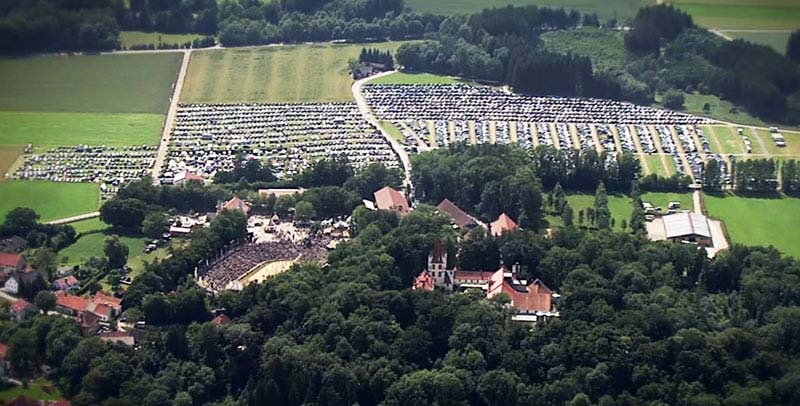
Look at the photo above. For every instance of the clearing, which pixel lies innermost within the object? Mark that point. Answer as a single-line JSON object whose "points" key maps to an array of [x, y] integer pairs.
{"points": [[759, 221], [124, 83], [619, 205], [621, 9], [661, 199], [743, 14], [52, 200], [54, 129], [40, 389], [403, 78], [130, 38], [284, 73]]}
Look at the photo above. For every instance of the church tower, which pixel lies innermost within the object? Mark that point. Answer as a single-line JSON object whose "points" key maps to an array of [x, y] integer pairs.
{"points": [[437, 266]]}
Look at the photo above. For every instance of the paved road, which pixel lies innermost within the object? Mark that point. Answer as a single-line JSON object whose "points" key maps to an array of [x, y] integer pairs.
{"points": [[75, 218], [698, 206], [370, 117], [170, 121]]}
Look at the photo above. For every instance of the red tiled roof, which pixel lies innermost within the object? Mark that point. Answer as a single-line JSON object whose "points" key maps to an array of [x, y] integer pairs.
{"points": [[236, 204], [19, 305], [3, 350], [423, 281], [11, 260], [438, 252], [503, 224], [460, 217], [390, 199], [73, 302], [100, 309], [115, 303], [66, 281], [461, 276], [221, 320]]}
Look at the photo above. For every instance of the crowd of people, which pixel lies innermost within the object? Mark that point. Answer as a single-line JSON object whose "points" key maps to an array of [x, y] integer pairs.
{"points": [[208, 138], [109, 166]]}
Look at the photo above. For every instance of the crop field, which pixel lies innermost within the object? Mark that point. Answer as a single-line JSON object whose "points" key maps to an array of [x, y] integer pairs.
{"points": [[89, 84], [759, 221], [8, 154], [777, 40], [605, 48], [131, 38], [51, 200], [402, 78], [53, 129], [743, 14], [622, 9], [300, 73]]}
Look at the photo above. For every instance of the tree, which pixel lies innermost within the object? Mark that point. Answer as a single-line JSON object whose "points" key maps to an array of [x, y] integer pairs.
{"points": [[567, 215], [712, 179], [20, 221], [674, 100], [793, 46], [154, 225], [22, 350], [45, 301], [303, 211], [116, 252], [123, 213], [602, 214]]}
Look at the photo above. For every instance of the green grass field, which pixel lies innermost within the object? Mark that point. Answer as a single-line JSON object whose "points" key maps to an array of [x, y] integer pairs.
{"points": [[754, 221], [393, 131], [299, 73], [619, 205], [402, 78], [622, 9], [720, 109], [657, 166], [52, 200], [743, 14], [8, 154], [730, 141], [775, 40], [91, 245], [662, 199], [89, 84], [605, 47], [792, 143], [53, 129], [40, 389], [131, 38], [85, 226]]}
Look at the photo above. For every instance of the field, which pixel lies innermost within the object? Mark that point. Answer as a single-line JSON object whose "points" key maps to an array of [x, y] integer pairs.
{"points": [[393, 131], [657, 166], [131, 38], [8, 154], [53, 129], [775, 39], [619, 205], [402, 78], [85, 226], [40, 389], [605, 48], [662, 199], [89, 84], [622, 9], [50, 199], [728, 139], [300, 73], [743, 14], [722, 110], [792, 143], [757, 221]]}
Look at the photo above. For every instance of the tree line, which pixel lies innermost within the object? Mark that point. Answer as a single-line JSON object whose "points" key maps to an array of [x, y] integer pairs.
{"points": [[375, 55]]}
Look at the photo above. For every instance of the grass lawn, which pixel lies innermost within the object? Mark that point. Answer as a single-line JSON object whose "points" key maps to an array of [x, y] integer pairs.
{"points": [[605, 48], [792, 143], [402, 78], [730, 141], [743, 14], [756, 221], [91, 245], [52, 200], [657, 166], [131, 38], [126, 83], [619, 205], [662, 199], [40, 389], [720, 109], [54, 129], [85, 226], [622, 9], [393, 131], [8, 154], [298, 73], [775, 40]]}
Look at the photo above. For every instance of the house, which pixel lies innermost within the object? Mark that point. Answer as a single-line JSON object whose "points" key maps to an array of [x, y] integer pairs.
{"points": [[11, 262], [502, 224], [68, 283], [121, 337], [459, 217], [103, 311], [234, 203], [221, 320], [688, 227], [3, 363], [71, 305], [21, 310], [27, 280], [181, 178], [114, 303], [278, 192], [89, 323], [390, 199]]}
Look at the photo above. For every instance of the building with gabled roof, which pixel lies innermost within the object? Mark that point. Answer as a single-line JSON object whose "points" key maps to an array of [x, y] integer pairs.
{"points": [[502, 224], [21, 310], [11, 262], [388, 198], [113, 302], [688, 227], [235, 203], [459, 217], [66, 283], [71, 305], [221, 320], [181, 178]]}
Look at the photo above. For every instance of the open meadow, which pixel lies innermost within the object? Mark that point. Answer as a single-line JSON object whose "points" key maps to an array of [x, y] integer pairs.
{"points": [[619, 205], [743, 14], [291, 73], [125, 83], [38, 389], [759, 221], [407, 78], [777, 40], [132, 38], [622, 9], [52, 200], [53, 129]]}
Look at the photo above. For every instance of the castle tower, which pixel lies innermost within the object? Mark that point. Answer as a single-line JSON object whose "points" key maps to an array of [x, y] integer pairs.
{"points": [[437, 266]]}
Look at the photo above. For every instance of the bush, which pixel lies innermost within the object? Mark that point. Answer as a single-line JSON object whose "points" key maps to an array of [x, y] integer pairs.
{"points": [[674, 100]]}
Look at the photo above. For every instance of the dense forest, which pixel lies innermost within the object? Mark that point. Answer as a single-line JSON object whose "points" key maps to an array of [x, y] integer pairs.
{"points": [[641, 323]]}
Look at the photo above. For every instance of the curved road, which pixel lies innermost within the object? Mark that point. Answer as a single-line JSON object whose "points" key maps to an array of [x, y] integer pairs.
{"points": [[368, 115]]}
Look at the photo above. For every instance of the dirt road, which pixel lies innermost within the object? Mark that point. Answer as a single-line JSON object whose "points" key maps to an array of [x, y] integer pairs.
{"points": [[170, 121]]}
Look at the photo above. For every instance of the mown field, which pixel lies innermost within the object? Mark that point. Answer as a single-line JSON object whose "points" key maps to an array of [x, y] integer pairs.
{"points": [[8, 154], [299, 73], [662, 200], [53, 129], [621, 9], [402, 78], [743, 14], [777, 40], [759, 221], [131, 38], [52, 200], [89, 84]]}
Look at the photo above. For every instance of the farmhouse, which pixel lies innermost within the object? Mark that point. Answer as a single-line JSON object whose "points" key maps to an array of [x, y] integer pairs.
{"points": [[391, 199], [10, 262], [502, 224], [687, 227], [460, 218]]}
